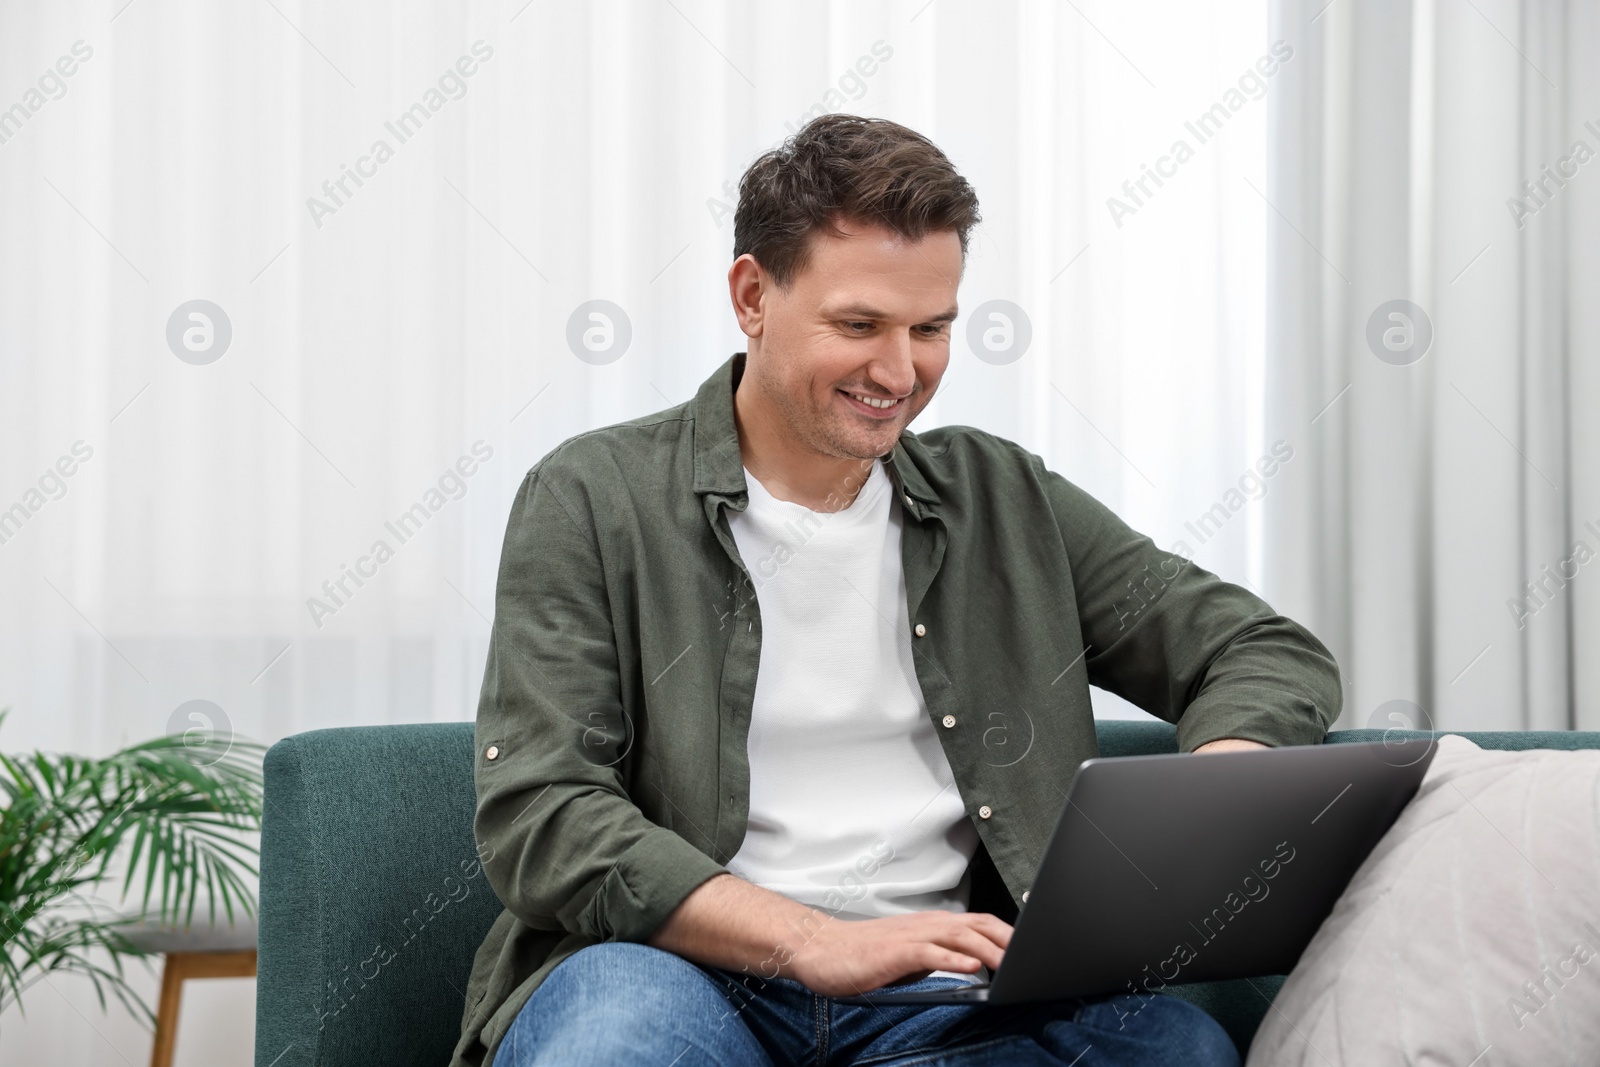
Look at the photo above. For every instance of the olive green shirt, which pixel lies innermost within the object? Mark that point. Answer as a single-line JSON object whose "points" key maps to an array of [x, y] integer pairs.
{"points": [[611, 764]]}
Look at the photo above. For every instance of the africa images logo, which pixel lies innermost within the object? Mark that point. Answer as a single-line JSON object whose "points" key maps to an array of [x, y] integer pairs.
{"points": [[205, 728], [999, 332], [599, 332], [199, 332], [1399, 332]]}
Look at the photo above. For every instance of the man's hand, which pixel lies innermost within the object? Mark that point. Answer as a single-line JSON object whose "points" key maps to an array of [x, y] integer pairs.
{"points": [[727, 922], [1229, 744], [848, 957]]}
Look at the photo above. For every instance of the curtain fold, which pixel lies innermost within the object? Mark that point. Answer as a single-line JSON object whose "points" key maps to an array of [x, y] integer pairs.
{"points": [[1441, 549]]}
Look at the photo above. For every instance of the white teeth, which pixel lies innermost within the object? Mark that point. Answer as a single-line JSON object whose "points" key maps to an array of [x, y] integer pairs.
{"points": [[874, 402]]}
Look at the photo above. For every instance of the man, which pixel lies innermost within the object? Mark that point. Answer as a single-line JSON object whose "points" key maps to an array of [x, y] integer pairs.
{"points": [[782, 700]]}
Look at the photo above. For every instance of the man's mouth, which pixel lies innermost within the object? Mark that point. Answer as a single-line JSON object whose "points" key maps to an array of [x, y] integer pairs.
{"points": [[875, 406]]}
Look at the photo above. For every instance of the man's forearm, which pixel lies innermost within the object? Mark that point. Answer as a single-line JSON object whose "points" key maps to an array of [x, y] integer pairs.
{"points": [[731, 923]]}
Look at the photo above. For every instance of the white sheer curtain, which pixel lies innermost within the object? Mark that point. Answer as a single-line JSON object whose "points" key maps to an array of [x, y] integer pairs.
{"points": [[1444, 547], [381, 333]]}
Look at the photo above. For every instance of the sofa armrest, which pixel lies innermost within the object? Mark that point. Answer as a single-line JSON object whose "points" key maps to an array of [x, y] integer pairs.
{"points": [[373, 902]]}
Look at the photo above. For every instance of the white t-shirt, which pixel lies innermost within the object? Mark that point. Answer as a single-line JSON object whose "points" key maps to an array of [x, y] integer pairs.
{"points": [[853, 808]]}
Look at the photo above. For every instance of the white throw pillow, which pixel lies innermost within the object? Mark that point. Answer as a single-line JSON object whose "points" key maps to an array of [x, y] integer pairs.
{"points": [[1470, 937]]}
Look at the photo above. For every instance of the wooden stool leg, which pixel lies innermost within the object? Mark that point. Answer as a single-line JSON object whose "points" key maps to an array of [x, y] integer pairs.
{"points": [[183, 965], [167, 1013]]}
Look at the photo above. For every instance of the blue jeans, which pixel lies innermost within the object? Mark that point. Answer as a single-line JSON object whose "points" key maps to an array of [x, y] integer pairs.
{"points": [[623, 1003]]}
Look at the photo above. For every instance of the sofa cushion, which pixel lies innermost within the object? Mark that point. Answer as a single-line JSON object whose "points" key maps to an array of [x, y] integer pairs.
{"points": [[1469, 935]]}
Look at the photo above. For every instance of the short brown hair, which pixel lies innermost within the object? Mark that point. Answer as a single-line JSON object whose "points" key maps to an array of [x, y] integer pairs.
{"points": [[847, 167]]}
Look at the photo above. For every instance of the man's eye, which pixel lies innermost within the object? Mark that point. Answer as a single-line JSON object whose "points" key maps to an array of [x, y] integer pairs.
{"points": [[859, 326]]}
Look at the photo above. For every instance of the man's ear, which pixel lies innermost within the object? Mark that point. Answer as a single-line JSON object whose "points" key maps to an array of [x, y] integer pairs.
{"points": [[748, 284]]}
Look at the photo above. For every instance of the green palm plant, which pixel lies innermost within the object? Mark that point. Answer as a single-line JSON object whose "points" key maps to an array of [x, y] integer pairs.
{"points": [[174, 815]]}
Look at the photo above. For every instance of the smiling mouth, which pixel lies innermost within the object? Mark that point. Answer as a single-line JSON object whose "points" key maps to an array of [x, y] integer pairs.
{"points": [[877, 406]]}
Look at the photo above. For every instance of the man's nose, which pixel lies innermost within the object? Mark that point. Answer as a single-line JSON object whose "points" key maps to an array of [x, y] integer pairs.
{"points": [[892, 368]]}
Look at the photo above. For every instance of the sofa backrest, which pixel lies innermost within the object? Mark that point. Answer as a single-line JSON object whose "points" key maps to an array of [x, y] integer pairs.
{"points": [[373, 902]]}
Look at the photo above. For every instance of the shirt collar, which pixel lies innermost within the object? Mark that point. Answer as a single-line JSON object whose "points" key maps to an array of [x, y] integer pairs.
{"points": [[719, 466]]}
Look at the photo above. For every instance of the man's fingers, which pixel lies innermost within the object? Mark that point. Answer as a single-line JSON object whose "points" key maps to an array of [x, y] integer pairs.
{"points": [[938, 958], [975, 944], [993, 927], [992, 930]]}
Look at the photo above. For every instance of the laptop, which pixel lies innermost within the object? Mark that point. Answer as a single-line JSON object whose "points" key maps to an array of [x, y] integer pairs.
{"points": [[1171, 869]]}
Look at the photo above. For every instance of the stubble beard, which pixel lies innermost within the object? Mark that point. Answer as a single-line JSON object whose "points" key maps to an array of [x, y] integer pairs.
{"points": [[830, 434]]}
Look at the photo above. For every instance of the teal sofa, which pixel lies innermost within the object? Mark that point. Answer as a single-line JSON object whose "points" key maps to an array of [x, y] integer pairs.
{"points": [[373, 901]]}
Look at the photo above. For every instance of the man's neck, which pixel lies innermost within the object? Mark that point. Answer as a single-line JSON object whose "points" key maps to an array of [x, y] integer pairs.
{"points": [[787, 468]]}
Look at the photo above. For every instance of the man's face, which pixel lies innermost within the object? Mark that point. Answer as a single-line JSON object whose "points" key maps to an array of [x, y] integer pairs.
{"points": [[855, 348]]}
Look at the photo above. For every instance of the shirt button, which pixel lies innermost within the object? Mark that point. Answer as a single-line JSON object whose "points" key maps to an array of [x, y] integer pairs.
{"points": [[1025, 893], [921, 630], [984, 812], [949, 721], [492, 752]]}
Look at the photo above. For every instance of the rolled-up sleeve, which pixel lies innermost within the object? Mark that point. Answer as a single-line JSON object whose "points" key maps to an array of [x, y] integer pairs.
{"points": [[565, 846], [1181, 643]]}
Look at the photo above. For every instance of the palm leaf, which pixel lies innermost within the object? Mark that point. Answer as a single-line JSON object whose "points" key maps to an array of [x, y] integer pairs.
{"points": [[175, 817]]}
